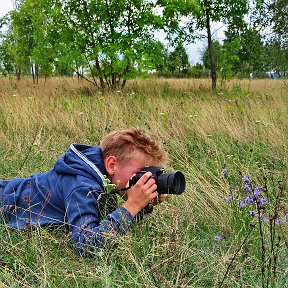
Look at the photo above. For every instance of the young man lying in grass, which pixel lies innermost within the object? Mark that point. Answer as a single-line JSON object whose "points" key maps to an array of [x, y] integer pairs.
{"points": [[74, 193]]}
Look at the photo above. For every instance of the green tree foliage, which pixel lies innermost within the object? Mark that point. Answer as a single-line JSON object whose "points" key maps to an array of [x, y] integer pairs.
{"points": [[108, 42], [272, 17], [280, 19], [244, 53], [6, 55], [197, 71], [174, 63], [277, 59], [25, 43], [272, 14], [252, 54], [199, 15], [217, 55], [114, 40], [231, 66], [227, 11], [161, 63], [178, 60], [17, 44]]}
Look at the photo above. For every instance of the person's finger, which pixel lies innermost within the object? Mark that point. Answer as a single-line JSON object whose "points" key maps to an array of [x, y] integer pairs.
{"points": [[150, 184], [151, 195], [144, 178], [151, 189]]}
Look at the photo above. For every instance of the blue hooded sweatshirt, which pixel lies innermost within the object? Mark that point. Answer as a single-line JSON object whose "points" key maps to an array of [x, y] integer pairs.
{"points": [[67, 194]]}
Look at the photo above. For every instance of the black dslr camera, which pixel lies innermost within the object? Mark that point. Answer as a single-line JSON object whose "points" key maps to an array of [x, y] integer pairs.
{"points": [[167, 183]]}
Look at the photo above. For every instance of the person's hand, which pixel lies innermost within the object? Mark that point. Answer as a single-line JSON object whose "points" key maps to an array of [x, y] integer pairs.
{"points": [[141, 194]]}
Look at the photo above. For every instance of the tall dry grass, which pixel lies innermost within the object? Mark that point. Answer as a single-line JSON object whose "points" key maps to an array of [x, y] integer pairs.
{"points": [[60, 111], [234, 110], [242, 125]]}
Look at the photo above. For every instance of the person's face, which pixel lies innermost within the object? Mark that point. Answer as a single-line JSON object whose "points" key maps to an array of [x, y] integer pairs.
{"points": [[119, 173]]}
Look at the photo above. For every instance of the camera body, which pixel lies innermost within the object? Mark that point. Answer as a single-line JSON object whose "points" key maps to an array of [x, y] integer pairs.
{"points": [[167, 183]]}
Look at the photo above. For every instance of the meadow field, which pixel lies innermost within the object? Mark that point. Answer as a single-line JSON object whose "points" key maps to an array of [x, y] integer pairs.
{"points": [[230, 144]]}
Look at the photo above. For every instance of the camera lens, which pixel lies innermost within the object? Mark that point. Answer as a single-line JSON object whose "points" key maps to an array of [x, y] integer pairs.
{"points": [[176, 182], [171, 183]]}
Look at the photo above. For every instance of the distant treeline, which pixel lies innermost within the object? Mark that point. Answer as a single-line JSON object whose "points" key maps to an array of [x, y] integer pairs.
{"points": [[108, 42]]}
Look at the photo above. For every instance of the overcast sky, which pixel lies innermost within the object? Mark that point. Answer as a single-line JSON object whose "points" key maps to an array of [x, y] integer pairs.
{"points": [[5, 6], [193, 50]]}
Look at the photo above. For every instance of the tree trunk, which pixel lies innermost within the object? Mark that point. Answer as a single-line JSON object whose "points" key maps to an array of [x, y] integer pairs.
{"points": [[33, 73], [18, 73], [98, 67], [242, 70], [210, 47], [37, 73], [78, 73], [123, 83], [112, 75]]}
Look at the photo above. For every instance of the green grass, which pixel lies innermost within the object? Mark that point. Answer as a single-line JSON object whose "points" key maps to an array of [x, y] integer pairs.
{"points": [[243, 127]]}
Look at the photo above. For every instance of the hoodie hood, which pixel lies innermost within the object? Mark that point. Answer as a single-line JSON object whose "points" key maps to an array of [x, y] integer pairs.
{"points": [[82, 160]]}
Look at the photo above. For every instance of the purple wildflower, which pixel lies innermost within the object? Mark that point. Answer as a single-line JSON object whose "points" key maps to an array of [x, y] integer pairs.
{"points": [[249, 200], [253, 213], [245, 179], [247, 187], [284, 219], [218, 237], [229, 198], [265, 219], [225, 171], [257, 191], [263, 201], [242, 204], [278, 222]]}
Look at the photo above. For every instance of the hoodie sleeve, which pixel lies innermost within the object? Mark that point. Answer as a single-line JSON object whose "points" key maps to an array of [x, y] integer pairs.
{"points": [[86, 230]]}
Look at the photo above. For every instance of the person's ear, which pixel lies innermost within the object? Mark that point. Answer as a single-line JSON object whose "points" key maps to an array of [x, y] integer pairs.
{"points": [[110, 164]]}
